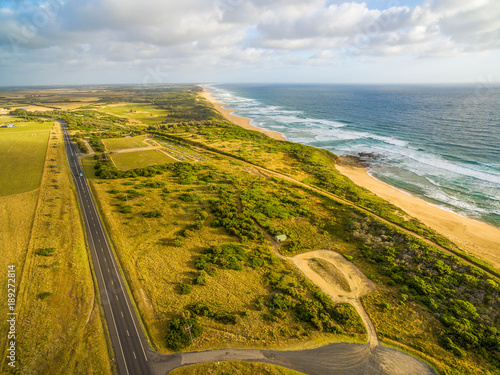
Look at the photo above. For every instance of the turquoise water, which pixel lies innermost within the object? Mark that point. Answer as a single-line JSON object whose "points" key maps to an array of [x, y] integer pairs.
{"points": [[439, 143]]}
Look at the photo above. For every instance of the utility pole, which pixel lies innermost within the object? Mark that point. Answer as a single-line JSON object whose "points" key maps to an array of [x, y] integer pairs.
{"points": [[188, 327]]}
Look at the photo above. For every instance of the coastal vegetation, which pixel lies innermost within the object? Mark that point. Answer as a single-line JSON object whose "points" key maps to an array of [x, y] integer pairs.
{"points": [[196, 239]]}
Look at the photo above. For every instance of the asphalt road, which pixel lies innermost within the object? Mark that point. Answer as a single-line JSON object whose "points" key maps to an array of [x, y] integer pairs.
{"points": [[127, 338]]}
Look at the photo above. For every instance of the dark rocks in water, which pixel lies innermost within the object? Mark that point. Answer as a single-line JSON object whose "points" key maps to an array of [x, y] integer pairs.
{"points": [[353, 161], [369, 155]]}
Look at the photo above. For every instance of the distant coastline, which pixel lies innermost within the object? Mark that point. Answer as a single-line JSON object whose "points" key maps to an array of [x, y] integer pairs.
{"points": [[238, 120], [481, 239]]}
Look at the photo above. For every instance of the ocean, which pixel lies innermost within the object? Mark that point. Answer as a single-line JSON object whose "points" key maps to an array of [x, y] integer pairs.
{"points": [[438, 143]]}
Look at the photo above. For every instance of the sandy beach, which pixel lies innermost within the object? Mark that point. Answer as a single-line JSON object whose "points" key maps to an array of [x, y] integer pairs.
{"points": [[240, 121], [480, 239]]}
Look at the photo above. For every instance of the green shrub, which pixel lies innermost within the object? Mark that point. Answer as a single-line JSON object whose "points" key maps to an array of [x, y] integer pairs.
{"points": [[125, 209], [153, 214], [178, 335], [229, 256], [46, 251], [201, 279], [44, 295], [190, 197], [185, 288]]}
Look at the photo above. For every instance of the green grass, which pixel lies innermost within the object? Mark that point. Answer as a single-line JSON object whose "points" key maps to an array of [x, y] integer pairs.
{"points": [[121, 143], [22, 155], [147, 114], [140, 159], [88, 163]]}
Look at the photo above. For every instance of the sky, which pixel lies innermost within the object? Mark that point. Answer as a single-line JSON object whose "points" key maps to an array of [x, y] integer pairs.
{"points": [[60, 42]]}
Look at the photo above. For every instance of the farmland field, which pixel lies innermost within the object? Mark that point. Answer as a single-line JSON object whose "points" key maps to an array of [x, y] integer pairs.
{"points": [[140, 159], [22, 151], [121, 143], [56, 303], [147, 114]]}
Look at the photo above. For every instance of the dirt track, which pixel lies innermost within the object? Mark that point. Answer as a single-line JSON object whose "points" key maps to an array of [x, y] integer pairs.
{"points": [[359, 284]]}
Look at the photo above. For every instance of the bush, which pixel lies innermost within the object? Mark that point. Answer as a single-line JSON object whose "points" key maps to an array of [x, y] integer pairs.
{"points": [[185, 288], [189, 197], [46, 251], [153, 214], [44, 295], [178, 336], [228, 256], [204, 309], [178, 241], [201, 279], [125, 209]]}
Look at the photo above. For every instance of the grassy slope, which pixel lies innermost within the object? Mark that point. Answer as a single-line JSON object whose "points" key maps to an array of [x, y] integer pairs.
{"points": [[233, 368], [62, 333], [140, 159], [22, 151], [155, 266]]}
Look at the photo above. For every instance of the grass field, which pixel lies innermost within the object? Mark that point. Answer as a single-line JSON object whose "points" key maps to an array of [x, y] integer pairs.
{"points": [[233, 368], [22, 155], [140, 159], [147, 114], [59, 327], [155, 265], [16, 219], [121, 143]]}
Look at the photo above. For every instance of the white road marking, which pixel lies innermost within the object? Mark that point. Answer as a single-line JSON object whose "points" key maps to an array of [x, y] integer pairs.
{"points": [[128, 334], [122, 314], [134, 355]]}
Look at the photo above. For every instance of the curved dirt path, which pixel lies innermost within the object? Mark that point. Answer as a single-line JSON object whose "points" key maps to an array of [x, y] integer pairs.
{"points": [[358, 283]]}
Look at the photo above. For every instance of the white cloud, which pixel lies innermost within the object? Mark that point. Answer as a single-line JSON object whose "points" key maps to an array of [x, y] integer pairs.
{"points": [[271, 34]]}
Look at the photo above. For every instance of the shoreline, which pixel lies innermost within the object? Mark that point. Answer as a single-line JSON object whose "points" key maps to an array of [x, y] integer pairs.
{"points": [[480, 239], [240, 121]]}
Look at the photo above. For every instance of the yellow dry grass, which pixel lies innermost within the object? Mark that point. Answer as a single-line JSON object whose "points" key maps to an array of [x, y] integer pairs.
{"points": [[233, 368], [154, 267], [16, 219], [63, 333]]}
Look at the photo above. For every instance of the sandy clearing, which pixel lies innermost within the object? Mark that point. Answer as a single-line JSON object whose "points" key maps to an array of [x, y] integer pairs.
{"points": [[358, 282]]}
